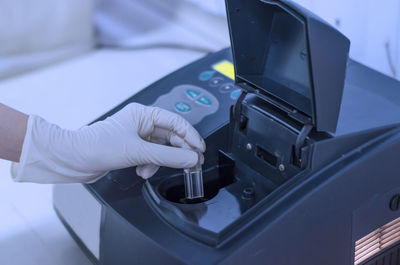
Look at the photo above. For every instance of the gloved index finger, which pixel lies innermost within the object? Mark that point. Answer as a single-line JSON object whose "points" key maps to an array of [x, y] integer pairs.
{"points": [[168, 135], [175, 123]]}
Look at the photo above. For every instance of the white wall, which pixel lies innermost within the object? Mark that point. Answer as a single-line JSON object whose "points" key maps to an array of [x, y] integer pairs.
{"points": [[370, 25]]}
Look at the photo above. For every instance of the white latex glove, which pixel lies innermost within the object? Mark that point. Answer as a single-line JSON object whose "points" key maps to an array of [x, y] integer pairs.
{"points": [[51, 154]]}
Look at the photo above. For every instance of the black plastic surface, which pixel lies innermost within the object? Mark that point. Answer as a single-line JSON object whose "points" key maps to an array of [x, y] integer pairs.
{"points": [[231, 198], [309, 215], [290, 54], [370, 100]]}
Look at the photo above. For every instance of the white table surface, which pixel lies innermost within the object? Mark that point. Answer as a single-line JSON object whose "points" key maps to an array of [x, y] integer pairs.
{"points": [[71, 94]]}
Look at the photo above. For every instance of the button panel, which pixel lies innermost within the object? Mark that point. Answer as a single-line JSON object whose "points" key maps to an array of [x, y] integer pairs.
{"points": [[192, 102], [219, 83]]}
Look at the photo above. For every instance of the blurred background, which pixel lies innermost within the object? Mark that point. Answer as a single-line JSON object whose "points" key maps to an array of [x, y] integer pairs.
{"points": [[33, 35], [70, 61]]}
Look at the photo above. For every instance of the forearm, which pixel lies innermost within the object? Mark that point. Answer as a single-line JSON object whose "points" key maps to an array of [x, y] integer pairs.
{"points": [[13, 126]]}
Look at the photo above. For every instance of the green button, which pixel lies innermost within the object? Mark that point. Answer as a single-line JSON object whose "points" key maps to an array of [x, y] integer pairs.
{"points": [[182, 107], [204, 101], [192, 94], [235, 94]]}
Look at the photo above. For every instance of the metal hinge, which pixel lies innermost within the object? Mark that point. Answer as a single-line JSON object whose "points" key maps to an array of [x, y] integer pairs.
{"points": [[300, 142]]}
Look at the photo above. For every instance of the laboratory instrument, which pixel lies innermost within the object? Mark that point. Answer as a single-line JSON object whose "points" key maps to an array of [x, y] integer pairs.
{"points": [[301, 164]]}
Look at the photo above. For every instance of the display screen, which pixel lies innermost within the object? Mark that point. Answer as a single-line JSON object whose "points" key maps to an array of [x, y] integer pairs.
{"points": [[226, 68]]}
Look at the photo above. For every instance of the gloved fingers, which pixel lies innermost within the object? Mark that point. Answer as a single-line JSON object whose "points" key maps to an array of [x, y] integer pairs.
{"points": [[156, 140], [179, 126], [164, 135], [201, 158], [146, 171], [168, 156]]}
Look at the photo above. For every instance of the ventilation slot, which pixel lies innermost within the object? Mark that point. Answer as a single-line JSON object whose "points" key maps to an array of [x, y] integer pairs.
{"points": [[378, 240], [267, 156]]}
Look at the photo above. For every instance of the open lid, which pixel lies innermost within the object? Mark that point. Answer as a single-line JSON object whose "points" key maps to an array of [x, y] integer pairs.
{"points": [[290, 54]]}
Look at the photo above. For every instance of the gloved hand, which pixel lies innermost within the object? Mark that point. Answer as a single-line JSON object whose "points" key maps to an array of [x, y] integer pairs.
{"points": [[131, 137]]}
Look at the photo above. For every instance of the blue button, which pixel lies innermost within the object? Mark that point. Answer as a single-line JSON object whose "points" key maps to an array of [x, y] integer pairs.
{"points": [[182, 107], [192, 94], [206, 75], [204, 101], [235, 94]]}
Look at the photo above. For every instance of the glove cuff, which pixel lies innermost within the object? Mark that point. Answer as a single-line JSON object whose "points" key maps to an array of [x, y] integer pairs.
{"points": [[17, 169], [46, 157]]}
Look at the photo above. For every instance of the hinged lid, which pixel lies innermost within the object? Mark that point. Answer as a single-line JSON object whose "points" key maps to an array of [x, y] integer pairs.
{"points": [[290, 54]]}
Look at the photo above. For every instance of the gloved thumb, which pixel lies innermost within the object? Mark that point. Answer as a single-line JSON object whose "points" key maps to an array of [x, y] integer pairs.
{"points": [[168, 156]]}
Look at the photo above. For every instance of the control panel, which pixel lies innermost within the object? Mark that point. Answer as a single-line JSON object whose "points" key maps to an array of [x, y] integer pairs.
{"points": [[192, 102], [198, 99]]}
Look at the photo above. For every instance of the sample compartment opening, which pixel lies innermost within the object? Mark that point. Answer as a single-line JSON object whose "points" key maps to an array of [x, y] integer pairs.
{"points": [[215, 178]]}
